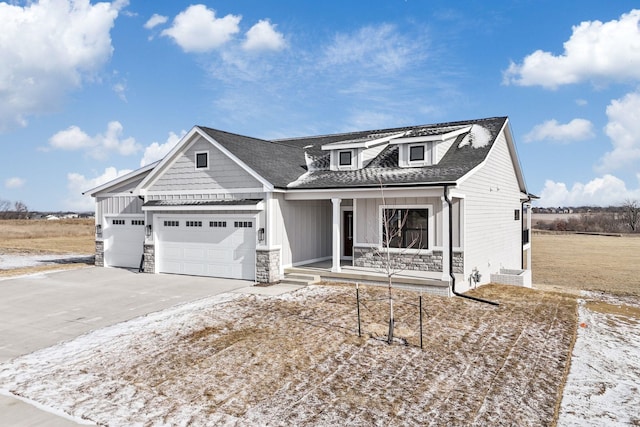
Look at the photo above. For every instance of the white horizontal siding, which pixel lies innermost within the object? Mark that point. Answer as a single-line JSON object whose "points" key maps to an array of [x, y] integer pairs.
{"points": [[223, 173], [493, 237]]}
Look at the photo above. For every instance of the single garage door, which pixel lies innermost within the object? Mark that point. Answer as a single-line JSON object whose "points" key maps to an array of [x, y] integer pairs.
{"points": [[213, 246], [123, 241]]}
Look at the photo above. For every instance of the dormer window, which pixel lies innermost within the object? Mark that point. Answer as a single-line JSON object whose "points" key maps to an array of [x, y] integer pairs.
{"points": [[416, 153], [345, 158], [202, 160]]}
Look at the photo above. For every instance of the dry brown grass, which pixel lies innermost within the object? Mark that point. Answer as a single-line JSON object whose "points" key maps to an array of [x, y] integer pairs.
{"points": [[51, 237], [576, 262], [297, 360]]}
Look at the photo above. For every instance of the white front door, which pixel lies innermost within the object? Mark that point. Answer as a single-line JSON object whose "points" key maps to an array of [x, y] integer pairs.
{"points": [[123, 238], [211, 245]]}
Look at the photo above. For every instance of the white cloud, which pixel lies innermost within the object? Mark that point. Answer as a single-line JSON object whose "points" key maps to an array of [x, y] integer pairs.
{"points": [[155, 20], [575, 130], [156, 151], [196, 29], [263, 36], [595, 51], [49, 48], [77, 184], [379, 47], [120, 89], [581, 102], [14, 183], [98, 146], [623, 129], [604, 191]]}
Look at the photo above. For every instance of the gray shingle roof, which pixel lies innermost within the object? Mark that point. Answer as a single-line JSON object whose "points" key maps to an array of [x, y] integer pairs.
{"points": [[282, 162]]}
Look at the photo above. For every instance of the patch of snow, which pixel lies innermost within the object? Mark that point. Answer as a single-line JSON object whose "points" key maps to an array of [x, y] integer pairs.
{"points": [[603, 386], [12, 261], [478, 137]]}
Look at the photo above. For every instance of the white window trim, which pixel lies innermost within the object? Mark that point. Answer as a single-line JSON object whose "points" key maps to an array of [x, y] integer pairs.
{"points": [[340, 166], [430, 229], [195, 158], [429, 147]]}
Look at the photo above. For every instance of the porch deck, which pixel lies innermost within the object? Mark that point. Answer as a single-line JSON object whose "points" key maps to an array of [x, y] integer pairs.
{"points": [[411, 280]]}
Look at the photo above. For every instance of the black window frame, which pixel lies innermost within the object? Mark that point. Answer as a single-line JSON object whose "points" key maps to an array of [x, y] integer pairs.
{"points": [[347, 152], [403, 230], [202, 155], [423, 152]]}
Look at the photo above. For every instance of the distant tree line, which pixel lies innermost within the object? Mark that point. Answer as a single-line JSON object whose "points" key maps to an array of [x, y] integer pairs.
{"points": [[621, 219], [13, 210]]}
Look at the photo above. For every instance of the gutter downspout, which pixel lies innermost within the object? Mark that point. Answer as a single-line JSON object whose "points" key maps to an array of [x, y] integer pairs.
{"points": [[453, 277]]}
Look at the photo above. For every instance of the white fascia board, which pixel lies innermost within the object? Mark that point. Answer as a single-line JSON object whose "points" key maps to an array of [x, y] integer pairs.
{"points": [[426, 138], [364, 193], [361, 144], [121, 179], [257, 207]]}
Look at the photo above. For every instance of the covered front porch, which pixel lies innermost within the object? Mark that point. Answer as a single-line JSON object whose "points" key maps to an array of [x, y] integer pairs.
{"points": [[411, 279]]}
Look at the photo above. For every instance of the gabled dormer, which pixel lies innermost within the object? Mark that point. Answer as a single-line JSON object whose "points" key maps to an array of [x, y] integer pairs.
{"points": [[426, 147], [355, 154]]}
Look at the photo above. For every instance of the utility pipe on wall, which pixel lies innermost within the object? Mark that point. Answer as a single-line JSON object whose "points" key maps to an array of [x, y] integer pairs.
{"points": [[453, 277]]}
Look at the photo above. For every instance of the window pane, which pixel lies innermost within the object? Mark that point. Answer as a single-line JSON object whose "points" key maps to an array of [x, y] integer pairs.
{"points": [[345, 158], [405, 228], [201, 160], [416, 153]]}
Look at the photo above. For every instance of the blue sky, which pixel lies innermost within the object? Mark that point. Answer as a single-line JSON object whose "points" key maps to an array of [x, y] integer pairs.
{"points": [[92, 90]]}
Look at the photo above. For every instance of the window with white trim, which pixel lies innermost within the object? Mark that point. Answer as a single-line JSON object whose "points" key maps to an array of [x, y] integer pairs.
{"points": [[345, 158], [202, 160], [416, 153], [405, 228]]}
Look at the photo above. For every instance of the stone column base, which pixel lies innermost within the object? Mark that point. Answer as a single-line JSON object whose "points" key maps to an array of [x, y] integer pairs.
{"points": [[267, 266], [149, 258], [99, 262]]}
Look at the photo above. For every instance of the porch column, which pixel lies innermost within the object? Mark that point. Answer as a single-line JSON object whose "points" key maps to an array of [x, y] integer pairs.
{"points": [[335, 267], [445, 240], [529, 215]]}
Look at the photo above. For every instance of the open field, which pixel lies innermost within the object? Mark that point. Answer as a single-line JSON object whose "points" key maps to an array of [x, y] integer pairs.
{"points": [[34, 238], [587, 262], [297, 360], [51, 237]]}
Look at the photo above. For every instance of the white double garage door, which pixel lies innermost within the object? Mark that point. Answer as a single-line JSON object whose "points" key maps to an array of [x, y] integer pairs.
{"points": [[203, 245], [216, 245]]}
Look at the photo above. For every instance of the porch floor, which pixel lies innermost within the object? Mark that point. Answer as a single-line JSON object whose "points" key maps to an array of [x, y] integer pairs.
{"points": [[413, 280]]}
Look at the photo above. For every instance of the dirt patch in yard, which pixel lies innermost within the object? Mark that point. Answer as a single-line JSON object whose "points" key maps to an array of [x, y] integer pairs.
{"points": [[297, 360]]}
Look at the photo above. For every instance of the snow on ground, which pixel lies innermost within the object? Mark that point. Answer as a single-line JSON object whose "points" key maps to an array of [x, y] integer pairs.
{"points": [[603, 386], [297, 360], [12, 261]]}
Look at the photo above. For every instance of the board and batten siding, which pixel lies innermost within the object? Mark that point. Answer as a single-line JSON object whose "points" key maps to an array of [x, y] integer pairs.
{"points": [[493, 236], [112, 205], [367, 223], [302, 229], [223, 173]]}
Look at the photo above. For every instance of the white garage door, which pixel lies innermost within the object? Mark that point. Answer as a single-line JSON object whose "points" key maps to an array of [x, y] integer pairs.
{"points": [[213, 246], [123, 241]]}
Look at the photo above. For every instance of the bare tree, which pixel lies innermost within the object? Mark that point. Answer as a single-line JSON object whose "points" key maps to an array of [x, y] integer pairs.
{"points": [[5, 207], [21, 210], [395, 235], [631, 214]]}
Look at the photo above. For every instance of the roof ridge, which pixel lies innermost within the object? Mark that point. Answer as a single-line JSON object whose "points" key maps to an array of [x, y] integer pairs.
{"points": [[387, 130]]}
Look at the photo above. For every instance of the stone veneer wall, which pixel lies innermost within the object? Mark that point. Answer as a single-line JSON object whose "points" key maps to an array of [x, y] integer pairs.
{"points": [[99, 262], [149, 258], [365, 257], [267, 265]]}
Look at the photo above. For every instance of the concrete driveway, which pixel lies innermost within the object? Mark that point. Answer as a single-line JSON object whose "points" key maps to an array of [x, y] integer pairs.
{"points": [[41, 310]]}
